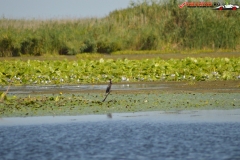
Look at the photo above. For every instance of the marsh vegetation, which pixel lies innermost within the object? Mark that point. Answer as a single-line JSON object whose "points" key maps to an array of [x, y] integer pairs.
{"points": [[149, 41], [33, 72], [151, 26]]}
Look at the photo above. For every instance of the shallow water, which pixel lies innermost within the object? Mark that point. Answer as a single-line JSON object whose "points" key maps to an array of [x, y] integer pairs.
{"points": [[146, 135], [79, 88], [205, 86]]}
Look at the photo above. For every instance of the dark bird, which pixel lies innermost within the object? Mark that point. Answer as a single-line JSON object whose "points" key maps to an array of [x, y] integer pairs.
{"points": [[109, 87]]}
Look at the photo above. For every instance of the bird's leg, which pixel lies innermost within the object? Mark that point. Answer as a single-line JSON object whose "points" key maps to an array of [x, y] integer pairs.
{"points": [[106, 96]]}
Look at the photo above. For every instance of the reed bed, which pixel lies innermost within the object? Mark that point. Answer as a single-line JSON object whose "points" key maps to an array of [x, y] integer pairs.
{"points": [[143, 26]]}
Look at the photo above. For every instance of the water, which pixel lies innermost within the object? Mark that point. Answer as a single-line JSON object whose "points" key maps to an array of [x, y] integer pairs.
{"points": [[77, 88], [147, 135], [217, 86]]}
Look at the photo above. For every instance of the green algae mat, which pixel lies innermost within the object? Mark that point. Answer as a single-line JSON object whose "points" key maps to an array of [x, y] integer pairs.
{"points": [[92, 103], [175, 96]]}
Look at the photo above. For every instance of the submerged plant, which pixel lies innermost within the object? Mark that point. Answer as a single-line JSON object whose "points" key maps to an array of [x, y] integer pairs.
{"points": [[77, 104]]}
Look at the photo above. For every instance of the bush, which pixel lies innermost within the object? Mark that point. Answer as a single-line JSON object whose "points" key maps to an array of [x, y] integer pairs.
{"points": [[106, 46], [68, 49], [89, 46], [149, 42], [8, 47], [31, 46]]}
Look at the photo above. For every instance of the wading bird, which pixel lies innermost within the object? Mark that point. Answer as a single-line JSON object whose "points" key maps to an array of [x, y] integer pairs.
{"points": [[108, 89]]}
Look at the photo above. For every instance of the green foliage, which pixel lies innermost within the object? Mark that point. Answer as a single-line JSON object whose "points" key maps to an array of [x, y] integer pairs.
{"points": [[84, 103], [34, 72], [8, 47], [104, 46], [31, 46], [149, 41], [144, 25], [89, 46]]}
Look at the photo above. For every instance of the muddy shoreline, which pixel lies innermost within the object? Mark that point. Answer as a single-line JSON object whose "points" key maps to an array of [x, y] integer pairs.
{"points": [[138, 87], [28, 101]]}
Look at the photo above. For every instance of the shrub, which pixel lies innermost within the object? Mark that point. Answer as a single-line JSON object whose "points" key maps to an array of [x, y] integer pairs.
{"points": [[89, 46], [8, 47], [106, 46], [149, 41], [31, 46]]}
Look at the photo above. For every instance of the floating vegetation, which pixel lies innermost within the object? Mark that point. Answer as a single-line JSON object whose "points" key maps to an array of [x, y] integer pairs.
{"points": [[35, 72], [77, 104]]}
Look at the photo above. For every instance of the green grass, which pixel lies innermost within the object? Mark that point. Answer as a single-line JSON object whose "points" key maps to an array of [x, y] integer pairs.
{"points": [[169, 51], [151, 26]]}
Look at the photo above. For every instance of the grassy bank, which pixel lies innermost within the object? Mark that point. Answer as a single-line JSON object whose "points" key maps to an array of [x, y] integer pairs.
{"points": [[146, 25]]}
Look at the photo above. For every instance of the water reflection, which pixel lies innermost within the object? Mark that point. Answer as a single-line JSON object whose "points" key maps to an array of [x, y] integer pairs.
{"points": [[209, 116], [109, 115]]}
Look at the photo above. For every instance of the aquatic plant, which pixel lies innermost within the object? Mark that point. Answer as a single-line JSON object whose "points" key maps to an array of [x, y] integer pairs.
{"points": [[91, 103], [35, 72]]}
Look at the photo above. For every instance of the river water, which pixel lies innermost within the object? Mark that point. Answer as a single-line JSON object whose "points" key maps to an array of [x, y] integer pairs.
{"points": [[209, 134]]}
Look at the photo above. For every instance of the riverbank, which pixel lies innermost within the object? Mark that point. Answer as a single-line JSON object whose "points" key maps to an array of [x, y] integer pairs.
{"points": [[132, 97]]}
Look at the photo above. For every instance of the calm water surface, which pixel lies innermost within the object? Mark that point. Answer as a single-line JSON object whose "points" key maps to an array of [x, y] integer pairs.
{"points": [[158, 135]]}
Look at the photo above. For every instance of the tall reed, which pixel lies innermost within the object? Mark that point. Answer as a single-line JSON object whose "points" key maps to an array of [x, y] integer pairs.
{"points": [[144, 25]]}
